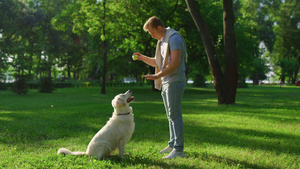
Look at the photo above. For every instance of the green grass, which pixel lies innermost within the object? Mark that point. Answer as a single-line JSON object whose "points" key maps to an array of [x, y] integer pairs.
{"points": [[261, 131]]}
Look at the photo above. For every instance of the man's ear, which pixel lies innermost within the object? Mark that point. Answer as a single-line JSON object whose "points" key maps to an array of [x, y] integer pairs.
{"points": [[159, 28], [121, 101]]}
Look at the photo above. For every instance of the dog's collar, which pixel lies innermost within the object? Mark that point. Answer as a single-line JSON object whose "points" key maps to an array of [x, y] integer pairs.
{"points": [[124, 114]]}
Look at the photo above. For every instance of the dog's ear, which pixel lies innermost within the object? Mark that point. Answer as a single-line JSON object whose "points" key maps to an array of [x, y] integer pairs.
{"points": [[121, 101]]}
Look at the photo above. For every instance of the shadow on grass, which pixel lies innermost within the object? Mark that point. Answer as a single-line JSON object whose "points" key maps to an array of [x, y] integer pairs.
{"points": [[143, 161], [285, 116], [244, 138], [230, 162], [152, 163], [78, 119], [140, 161], [157, 131], [33, 128]]}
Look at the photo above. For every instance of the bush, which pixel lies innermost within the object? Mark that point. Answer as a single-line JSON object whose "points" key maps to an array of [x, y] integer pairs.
{"points": [[63, 84], [20, 86], [87, 84], [242, 84], [3, 86], [122, 84], [46, 85], [199, 81], [33, 85]]}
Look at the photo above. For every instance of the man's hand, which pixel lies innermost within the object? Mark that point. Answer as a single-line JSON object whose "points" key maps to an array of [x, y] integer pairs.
{"points": [[170, 67], [151, 77]]}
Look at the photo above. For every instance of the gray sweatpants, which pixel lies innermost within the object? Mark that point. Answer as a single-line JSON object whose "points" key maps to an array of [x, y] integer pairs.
{"points": [[172, 94]]}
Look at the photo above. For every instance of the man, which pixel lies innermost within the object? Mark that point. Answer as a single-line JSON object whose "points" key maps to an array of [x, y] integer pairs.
{"points": [[170, 78]]}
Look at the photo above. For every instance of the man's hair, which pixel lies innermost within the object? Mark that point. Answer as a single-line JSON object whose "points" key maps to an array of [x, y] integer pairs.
{"points": [[154, 22]]}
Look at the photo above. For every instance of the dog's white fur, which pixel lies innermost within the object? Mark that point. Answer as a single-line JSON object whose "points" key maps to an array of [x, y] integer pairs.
{"points": [[115, 134]]}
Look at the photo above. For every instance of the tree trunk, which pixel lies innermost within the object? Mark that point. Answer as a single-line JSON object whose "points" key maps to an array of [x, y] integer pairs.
{"points": [[225, 84], [50, 66], [103, 89], [69, 69], [231, 58], [294, 79]]}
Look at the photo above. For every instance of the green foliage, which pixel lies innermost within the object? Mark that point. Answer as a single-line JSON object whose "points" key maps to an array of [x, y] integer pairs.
{"points": [[199, 81], [76, 84], [286, 67], [20, 86], [46, 85], [248, 40], [260, 131], [197, 59], [65, 38], [276, 23], [259, 70], [64, 84], [3, 86], [242, 84], [286, 53]]}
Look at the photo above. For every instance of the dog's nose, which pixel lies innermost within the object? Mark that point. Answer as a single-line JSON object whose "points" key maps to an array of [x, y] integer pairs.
{"points": [[128, 91]]}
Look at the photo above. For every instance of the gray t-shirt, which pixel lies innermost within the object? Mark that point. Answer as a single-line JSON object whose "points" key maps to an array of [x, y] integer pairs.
{"points": [[175, 42]]}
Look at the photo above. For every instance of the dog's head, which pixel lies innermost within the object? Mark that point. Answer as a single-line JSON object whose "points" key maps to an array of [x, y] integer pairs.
{"points": [[122, 99]]}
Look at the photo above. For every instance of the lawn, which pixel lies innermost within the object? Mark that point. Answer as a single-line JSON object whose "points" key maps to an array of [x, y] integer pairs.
{"points": [[261, 131]]}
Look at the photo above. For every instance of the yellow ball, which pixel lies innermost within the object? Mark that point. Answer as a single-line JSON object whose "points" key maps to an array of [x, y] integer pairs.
{"points": [[135, 57]]}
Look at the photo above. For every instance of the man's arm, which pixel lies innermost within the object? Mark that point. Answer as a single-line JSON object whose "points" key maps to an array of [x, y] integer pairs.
{"points": [[170, 67], [148, 60]]}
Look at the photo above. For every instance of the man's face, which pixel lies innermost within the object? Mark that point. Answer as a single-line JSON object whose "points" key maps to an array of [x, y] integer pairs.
{"points": [[155, 33]]}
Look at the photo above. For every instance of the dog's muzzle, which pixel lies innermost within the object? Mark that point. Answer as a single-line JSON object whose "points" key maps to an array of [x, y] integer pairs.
{"points": [[130, 98]]}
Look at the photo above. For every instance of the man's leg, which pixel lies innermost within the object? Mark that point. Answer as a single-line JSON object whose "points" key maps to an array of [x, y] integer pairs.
{"points": [[164, 94], [172, 94]]}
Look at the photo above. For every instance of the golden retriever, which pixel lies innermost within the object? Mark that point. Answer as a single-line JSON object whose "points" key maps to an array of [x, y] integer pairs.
{"points": [[115, 134]]}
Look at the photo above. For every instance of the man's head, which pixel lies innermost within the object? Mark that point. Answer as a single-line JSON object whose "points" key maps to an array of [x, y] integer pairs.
{"points": [[155, 27], [153, 22]]}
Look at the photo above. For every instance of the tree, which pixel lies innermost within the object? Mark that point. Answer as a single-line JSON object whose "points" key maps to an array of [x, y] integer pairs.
{"points": [[249, 25], [12, 44], [259, 70], [93, 17], [286, 52], [278, 28], [112, 39], [11, 13], [225, 83], [133, 15]]}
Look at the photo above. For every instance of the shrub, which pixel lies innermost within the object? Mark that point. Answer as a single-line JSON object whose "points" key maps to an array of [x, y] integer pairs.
{"points": [[87, 84], [33, 85], [3, 86], [63, 84], [199, 81], [242, 84], [46, 85], [20, 86]]}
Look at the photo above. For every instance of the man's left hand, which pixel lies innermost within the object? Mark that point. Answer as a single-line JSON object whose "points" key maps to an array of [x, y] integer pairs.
{"points": [[151, 77]]}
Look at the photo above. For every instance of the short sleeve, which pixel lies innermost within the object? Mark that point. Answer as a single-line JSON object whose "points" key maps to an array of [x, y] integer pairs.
{"points": [[175, 42]]}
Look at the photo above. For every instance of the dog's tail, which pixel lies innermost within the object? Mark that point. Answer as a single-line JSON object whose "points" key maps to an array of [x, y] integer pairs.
{"points": [[66, 151]]}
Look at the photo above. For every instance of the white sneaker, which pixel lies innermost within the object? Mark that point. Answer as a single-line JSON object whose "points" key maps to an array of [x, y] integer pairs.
{"points": [[166, 150], [174, 154]]}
